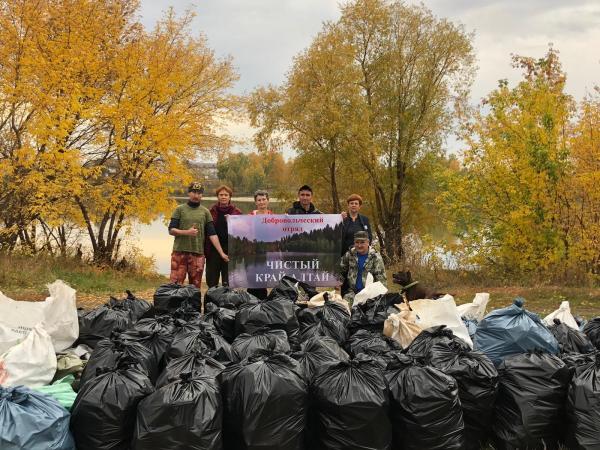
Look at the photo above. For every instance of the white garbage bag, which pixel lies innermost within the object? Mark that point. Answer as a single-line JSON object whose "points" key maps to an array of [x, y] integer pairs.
{"points": [[476, 309], [443, 311], [319, 300], [31, 363], [371, 290], [402, 326], [563, 313], [57, 315]]}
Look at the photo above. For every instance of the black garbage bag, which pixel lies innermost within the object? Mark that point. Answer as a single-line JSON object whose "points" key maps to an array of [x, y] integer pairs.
{"points": [[351, 399], [372, 343], [477, 380], [265, 398], [196, 324], [225, 297], [136, 306], [155, 341], [274, 314], [575, 360], [196, 363], [372, 314], [109, 352], [183, 327], [592, 330], [425, 406], [331, 319], [291, 289], [104, 412], [382, 360], [186, 313], [223, 320], [169, 297], [203, 341], [186, 414], [246, 344], [163, 324], [530, 404], [420, 347], [570, 340], [99, 323], [317, 354], [583, 407]]}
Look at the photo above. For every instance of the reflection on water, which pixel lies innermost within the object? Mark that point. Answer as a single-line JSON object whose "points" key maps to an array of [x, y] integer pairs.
{"points": [[154, 240], [258, 271]]}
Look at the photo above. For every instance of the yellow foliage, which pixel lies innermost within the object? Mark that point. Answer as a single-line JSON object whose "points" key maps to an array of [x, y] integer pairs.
{"points": [[99, 116], [524, 202]]}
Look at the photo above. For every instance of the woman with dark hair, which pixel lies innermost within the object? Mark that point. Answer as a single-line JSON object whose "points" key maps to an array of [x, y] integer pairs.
{"points": [[354, 222], [216, 267]]}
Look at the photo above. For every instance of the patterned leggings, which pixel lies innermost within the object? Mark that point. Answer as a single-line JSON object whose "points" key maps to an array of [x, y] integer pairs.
{"points": [[186, 263]]}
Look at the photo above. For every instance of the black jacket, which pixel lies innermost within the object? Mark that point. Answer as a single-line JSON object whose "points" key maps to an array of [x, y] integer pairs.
{"points": [[298, 209], [349, 227]]}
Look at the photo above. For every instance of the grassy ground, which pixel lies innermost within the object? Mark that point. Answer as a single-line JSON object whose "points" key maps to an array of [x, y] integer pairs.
{"points": [[541, 299], [25, 278]]}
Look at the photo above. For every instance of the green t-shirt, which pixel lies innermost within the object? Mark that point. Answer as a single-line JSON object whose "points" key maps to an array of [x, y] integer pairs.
{"points": [[187, 217]]}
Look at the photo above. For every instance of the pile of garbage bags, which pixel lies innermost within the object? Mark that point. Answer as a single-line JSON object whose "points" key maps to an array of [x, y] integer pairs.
{"points": [[297, 370], [45, 348]]}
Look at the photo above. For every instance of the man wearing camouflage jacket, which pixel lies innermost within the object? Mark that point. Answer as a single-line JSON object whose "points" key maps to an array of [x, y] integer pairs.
{"points": [[359, 261]]}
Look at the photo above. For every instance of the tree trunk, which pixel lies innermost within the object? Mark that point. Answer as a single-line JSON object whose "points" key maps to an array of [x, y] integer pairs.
{"points": [[89, 225], [389, 219], [62, 241], [335, 198]]}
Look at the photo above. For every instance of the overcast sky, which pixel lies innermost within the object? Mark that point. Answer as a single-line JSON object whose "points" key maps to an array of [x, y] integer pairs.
{"points": [[263, 36]]}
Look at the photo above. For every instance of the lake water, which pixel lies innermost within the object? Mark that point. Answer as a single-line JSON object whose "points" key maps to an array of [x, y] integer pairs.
{"points": [[154, 239]]}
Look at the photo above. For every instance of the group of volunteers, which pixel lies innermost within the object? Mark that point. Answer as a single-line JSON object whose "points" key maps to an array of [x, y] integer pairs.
{"points": [[201, 238]]}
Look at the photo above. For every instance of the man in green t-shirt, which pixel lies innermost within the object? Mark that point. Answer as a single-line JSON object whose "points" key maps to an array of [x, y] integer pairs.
{"points": [[190, 222]]}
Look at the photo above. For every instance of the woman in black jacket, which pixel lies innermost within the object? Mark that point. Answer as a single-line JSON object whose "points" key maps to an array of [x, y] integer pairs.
{"points": [[353, 222]]}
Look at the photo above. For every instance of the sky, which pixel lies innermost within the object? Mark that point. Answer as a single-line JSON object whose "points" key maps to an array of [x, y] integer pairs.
{"points": [[263, 36]]}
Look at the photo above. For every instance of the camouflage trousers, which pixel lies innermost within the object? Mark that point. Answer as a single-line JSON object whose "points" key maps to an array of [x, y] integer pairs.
{"points": [[186, 263]]}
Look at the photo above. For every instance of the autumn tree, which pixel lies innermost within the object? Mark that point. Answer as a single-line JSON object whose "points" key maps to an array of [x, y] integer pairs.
{"points": [[161, 109], [314, 111], [371, 100], [100, 116], [505, 204], [236, 170], [248, 172], [579, 204], [55, 57]]}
